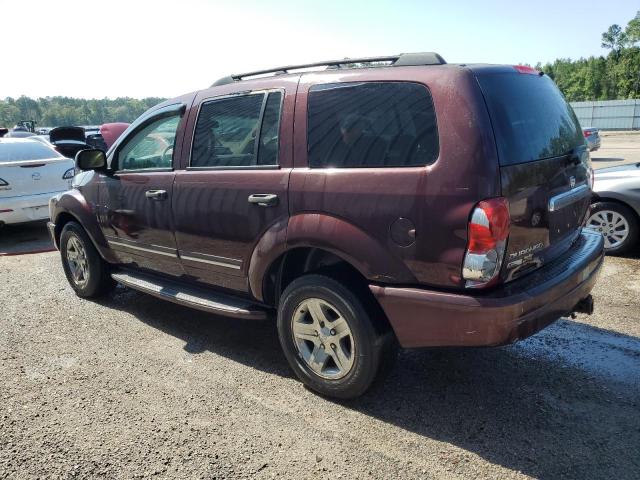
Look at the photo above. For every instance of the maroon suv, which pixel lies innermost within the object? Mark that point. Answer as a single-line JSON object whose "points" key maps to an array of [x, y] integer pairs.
{"points": [[368, 202]]}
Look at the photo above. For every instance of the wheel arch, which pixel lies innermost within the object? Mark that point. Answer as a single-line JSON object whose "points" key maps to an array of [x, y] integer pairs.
{"points": [[299, 261], [72, 206], [613, 198]]}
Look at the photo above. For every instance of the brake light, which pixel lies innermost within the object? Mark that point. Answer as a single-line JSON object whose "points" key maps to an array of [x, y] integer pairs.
{"points": [[488, 233], [586, 133], [526, 69]]}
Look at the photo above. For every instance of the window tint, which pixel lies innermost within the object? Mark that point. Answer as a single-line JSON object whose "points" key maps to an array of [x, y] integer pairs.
{"points": [[25, 150], [268, 148], [226, 130], [151, 147], [530, 117], [385, 124]]}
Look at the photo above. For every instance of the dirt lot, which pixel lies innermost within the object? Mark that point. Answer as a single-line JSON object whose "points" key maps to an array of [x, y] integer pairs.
{"points": [[133, 387]]}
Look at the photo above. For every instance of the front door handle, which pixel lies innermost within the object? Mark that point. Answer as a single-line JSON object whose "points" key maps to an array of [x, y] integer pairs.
{"points": [[156, 194], [264, 199]]}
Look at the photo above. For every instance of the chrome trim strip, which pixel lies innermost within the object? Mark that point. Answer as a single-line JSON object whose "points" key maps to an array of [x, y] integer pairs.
{"points": [[567, 198], [135, 247], [212, 262]]}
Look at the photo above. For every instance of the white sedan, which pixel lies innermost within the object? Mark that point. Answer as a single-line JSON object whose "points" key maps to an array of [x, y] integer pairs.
{"points": [[31, 172]]}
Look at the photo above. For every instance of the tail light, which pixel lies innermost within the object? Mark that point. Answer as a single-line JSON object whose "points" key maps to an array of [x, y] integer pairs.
{"points": [[488, 233], [586, 133]]}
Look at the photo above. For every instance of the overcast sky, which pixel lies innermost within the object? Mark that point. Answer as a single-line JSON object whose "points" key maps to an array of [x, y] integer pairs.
{"points": [[135, 48]]}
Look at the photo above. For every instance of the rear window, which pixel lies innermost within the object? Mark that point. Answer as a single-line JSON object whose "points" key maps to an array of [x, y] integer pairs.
{"points": [[373, 124], [18, 151], [530, 117]]}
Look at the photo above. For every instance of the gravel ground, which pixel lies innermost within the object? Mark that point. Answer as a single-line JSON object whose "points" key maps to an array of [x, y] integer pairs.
{"points": [[25, 238], [132, 387]]}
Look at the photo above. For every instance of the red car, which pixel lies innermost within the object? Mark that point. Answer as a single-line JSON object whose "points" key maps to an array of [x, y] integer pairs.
{"points": [[378, 201]]}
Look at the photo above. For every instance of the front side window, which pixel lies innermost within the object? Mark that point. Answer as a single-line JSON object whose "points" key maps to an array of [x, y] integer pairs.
{"points": [[227, 129], [151, 147], [372, 124]]}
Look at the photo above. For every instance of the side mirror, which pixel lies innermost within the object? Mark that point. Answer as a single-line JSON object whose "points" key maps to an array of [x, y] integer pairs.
{"points": [[93, 159]]}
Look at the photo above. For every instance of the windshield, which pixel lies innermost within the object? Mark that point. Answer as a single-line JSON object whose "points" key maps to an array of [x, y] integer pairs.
{"points": [[530, 117], [19, 151]]}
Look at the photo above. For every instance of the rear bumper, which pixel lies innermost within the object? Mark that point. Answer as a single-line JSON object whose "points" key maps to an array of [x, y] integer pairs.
{"points": [[422, 318], [28, 208]]}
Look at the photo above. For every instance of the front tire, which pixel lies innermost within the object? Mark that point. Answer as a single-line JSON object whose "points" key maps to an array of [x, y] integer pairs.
{"points": [[87, 273], [328, 337], [618, 225]]}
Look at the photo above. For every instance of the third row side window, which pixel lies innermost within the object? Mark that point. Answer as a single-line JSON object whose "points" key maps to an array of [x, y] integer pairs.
{"points": [[371, 124], [238, 131]]}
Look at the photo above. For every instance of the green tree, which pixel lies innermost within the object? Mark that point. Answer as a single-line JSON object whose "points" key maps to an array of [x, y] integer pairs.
{"points": [[633, 30], [614, 39]]}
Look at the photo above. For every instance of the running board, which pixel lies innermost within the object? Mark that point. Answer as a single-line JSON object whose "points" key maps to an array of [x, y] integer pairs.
{"points": [[194, 297]]}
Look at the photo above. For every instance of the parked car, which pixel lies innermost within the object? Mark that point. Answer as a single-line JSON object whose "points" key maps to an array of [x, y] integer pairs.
{"points": [[31, 172], [110, 132], [19, 132], [592, 137], [615, 212], [384, 216], [68, 140]]}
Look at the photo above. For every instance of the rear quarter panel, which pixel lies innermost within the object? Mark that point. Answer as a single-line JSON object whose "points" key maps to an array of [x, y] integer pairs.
{"points": [[350, 210]]}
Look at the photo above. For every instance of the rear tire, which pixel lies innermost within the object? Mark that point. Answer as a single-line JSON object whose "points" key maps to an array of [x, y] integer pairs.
{"points": [[328, 337], [617, 223], [87, 273]]}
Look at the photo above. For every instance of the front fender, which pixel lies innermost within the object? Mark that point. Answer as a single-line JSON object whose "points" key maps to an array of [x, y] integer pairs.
{"points": [[74, 204]]}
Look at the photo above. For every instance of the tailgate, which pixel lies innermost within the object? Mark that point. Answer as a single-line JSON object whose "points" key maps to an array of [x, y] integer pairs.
{"points": [[545, 168]]}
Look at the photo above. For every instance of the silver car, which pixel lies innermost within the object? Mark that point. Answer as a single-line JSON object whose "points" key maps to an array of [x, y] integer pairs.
{"points": [[592, 137], [615, 211]]}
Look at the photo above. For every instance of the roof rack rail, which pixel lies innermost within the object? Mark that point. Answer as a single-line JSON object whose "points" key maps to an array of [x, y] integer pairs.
{"points": [[401, 60]]}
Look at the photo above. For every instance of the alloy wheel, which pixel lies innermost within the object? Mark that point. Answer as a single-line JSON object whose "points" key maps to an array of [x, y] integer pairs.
{"points": [[323, 338], [77, 261], [611, 225]]}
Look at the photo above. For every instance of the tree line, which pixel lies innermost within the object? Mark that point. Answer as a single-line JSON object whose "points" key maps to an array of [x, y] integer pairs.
{"points": [[56, 111], [615, 76], [611, 77]]}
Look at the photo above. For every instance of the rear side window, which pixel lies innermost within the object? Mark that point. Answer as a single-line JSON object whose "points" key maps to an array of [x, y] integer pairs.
{"points": [[372, 124], [238, 131], [27, 150], [530, 117]]}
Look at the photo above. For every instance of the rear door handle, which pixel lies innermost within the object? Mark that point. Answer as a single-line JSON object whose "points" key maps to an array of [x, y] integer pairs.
{"points": [[264, 199], [156, 194]]}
